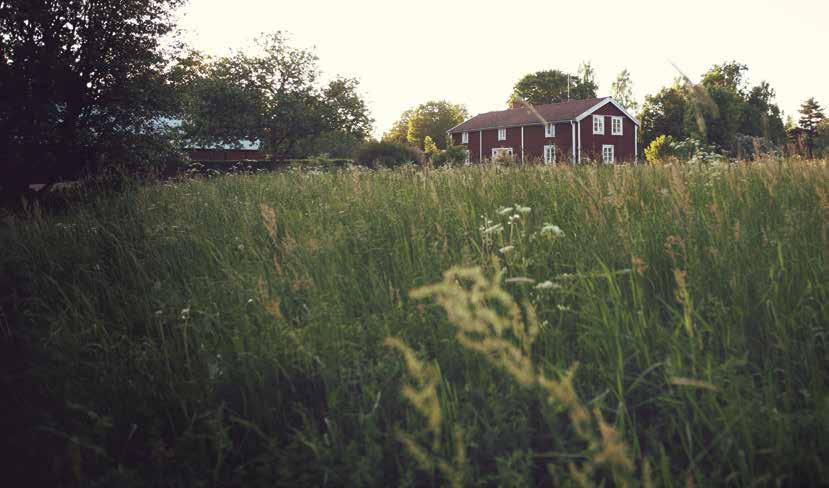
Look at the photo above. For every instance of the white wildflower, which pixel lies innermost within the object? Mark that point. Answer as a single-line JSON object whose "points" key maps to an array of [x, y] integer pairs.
{"points": [[185, 313], [494, 228], [546, 285], [504, 210], [553, 230], [522, 210], [563, 308], [514, 218], [506, 249]]}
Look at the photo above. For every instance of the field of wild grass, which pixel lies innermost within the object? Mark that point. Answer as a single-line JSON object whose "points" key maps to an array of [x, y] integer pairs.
{"points": [[480, 326]]}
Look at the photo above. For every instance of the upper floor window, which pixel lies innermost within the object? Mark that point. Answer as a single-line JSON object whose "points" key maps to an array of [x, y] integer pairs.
{"points": [[464, 137], [616, 126], [598, 124], [549, 130], [502, 134]]}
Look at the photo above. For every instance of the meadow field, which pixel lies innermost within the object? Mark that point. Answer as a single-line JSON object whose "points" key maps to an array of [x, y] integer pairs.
{"points": [[493, 326]]}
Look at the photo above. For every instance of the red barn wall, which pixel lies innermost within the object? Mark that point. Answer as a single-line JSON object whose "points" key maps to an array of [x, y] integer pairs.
{"points": [[491, 141], [534, 142], [564, 142], [472, 147], [591, 144]]}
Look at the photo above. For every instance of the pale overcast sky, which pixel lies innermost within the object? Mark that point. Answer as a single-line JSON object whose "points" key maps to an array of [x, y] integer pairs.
{"points": [[405, 53]]}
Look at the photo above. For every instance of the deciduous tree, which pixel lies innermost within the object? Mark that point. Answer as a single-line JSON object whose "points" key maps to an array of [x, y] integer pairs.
{"points": [[275, 98], [83, 83], [551, 86], [431, 119], [716, 111], [664, 114], [622, 91], [400, 129]]}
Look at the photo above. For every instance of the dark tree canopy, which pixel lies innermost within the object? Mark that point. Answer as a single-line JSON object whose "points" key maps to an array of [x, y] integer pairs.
{"points": [[551, 86], [719, 110], [83, 84], [663, 114], [763, 117], [811, 115]]}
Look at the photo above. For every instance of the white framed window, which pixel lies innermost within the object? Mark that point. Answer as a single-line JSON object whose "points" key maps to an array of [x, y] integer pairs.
{"points": [[616, 126], [500, 152], [608, 153], [549, 154], [549, 130], [598, 124], [464, 137], [502, 134]]}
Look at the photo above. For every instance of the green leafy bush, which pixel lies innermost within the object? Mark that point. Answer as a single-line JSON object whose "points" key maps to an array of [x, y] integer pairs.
{"points": [[388, 154], [451, 156], [666, 149], [660, 150]]}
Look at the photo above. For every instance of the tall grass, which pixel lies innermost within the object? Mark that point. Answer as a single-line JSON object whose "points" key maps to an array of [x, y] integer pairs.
{"points": [[232, 331]]}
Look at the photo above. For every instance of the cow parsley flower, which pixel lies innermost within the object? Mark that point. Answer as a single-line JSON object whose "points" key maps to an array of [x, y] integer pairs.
{"points": [[546, 285], [553, 230], [522, 210], [506, 249], [504, 210], [494, 228]]}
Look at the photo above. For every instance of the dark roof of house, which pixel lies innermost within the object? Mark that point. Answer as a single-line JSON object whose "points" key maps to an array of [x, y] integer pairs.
{"points": [[539, 114]]}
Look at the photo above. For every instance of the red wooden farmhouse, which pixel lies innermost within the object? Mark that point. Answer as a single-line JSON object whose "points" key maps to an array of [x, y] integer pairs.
{"points": [[597, 129]]}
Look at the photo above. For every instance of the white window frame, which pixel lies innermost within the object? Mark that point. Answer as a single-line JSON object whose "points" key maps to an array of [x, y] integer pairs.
{"points": [[464, 137], [614, 120], [612, 158], [598, 124], [497, 150], [549, 130], [549, 153], [502, 134]]}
